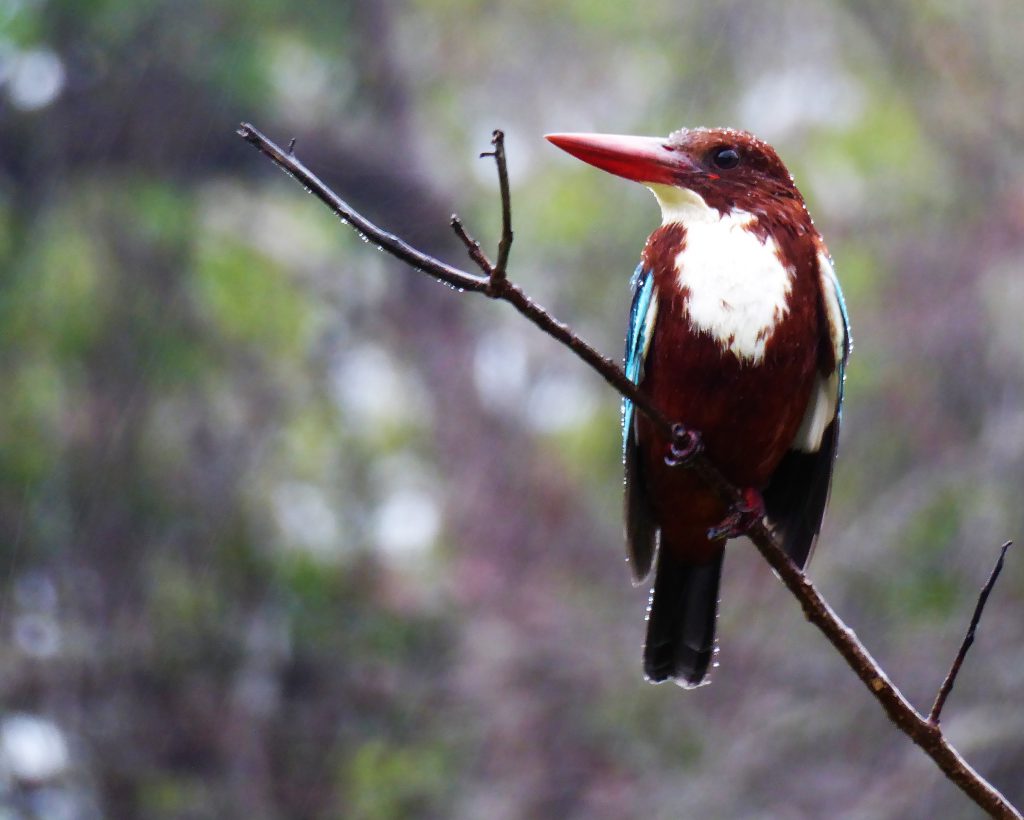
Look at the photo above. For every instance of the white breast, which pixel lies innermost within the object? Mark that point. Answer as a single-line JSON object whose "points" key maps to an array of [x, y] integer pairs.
{"points": [[737, 285]]}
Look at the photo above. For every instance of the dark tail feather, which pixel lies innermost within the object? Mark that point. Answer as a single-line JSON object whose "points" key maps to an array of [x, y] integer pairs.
{"points": [[681, 623]]}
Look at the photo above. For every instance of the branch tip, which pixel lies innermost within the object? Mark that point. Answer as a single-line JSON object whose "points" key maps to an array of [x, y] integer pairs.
{"points": [[387, 242], [474, 249], [954, 670], [505, 243]]}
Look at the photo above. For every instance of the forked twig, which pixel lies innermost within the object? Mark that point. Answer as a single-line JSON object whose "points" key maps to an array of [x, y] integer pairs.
{"points": [[494, 283]]}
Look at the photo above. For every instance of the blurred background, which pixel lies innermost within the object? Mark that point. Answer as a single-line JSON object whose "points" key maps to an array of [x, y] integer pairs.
{"points": [[288, 531]]}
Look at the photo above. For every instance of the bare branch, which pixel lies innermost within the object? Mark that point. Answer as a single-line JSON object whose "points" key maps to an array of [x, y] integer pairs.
{"points": [[458, 278], [954, 670], [925, 734], [386, 241]]}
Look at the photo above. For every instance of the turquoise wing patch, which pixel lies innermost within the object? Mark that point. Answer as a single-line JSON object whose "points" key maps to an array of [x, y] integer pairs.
{"points": [[636, 339]]}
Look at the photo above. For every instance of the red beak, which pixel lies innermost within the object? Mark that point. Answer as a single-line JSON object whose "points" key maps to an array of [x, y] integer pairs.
{"points": [[642, 159]]}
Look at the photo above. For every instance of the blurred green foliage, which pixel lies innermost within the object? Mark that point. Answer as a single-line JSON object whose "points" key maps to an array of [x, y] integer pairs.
{"points": [[288, 531]]}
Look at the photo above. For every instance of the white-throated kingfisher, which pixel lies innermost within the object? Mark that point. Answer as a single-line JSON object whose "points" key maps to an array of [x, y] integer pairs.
{"points": [[738, 331]]}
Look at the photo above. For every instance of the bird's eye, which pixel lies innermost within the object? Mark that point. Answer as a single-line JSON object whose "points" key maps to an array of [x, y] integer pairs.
{"points": [[726, 158]]}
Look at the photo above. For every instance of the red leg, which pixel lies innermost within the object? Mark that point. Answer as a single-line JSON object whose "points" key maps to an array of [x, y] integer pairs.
{"points": [[743, 515]]}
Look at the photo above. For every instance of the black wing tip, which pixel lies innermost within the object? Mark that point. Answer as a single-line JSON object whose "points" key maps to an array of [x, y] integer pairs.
{"points": [[641, 531], [639, 570], [798, 494], [801, 547]]}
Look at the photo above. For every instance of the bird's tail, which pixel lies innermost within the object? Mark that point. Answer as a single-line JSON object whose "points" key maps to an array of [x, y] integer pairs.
{"points": [[681, 621]]}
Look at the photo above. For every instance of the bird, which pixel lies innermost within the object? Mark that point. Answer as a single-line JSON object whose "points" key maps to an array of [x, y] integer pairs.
{"points": [[738, 330]]}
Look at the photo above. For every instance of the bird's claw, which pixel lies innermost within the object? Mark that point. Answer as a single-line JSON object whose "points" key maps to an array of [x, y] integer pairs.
{"points": [[743, 515], [686, 445]]}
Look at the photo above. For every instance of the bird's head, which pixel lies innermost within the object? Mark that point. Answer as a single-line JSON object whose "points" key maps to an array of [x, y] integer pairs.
{"points": [[694, 170]]}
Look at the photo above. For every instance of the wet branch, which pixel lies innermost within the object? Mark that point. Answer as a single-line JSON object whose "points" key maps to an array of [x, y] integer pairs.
{"points": [[925, 732]]}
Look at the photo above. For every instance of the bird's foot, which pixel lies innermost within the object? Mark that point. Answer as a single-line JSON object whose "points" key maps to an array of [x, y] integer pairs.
{"points": [[743, 515], [685, 446]]}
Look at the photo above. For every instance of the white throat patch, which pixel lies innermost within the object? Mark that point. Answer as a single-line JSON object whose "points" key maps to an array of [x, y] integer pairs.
{"points": [[737, 285]]}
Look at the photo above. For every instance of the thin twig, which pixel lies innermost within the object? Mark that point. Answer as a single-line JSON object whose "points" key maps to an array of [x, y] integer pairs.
{"points": [[505, 243], [388, 242], [954, 670], [926, 735], [473, 247]]}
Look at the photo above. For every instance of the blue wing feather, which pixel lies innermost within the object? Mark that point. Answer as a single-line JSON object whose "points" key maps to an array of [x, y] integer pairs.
{"points": [[642, 284], [641, 530], [847, 343]]}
